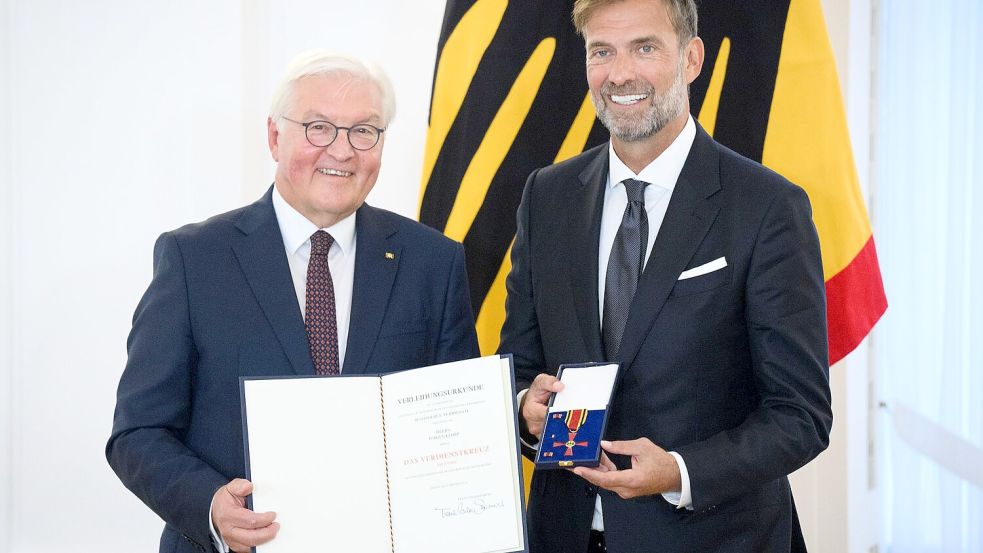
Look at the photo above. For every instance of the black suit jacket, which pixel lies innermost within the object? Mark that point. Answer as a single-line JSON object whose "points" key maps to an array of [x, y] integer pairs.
{"points": [[729, 369], [222, 305]]}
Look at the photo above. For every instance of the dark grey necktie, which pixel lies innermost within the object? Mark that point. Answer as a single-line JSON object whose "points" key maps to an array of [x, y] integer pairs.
{"points": [[624, 267]]}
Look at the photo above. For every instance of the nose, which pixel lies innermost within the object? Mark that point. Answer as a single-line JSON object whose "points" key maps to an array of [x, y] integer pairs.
{"points": [[341, 149], [622, 69]]}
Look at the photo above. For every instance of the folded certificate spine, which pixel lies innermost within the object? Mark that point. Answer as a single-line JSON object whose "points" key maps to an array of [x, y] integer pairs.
{"points": [[385, 454], [419, 460]]}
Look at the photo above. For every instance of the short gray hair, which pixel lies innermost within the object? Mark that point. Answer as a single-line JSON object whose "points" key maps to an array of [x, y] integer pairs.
{"points": [[682, 15], [325, 62]]}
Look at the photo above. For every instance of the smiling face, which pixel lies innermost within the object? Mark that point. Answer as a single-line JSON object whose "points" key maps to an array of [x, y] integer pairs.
{"points": [[327, 184], [636, 70]]}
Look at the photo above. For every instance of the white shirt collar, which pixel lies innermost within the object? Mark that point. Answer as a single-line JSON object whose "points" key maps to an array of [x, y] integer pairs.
{"points": [[664, 170], [297, 229]]}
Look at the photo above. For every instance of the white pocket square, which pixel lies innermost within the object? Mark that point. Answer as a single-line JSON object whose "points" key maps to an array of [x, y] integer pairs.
{"points": [[710, 267]]}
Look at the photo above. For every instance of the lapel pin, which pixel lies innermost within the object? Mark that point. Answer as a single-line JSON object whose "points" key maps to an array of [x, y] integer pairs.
{"points": [[390, 255]]}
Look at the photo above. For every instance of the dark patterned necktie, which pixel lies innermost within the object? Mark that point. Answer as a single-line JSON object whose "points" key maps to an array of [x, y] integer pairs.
{"points": [[624, 267], [320, 316]]}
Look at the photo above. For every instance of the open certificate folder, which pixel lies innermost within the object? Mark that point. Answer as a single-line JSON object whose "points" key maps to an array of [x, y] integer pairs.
{"points": [[413, 461]]}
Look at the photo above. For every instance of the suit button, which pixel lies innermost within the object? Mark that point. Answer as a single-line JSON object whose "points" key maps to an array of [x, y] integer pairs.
{"points": [[589, 490]]}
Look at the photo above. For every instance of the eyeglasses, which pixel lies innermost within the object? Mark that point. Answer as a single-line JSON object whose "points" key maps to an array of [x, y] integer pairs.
{"points": [[323, 133]]}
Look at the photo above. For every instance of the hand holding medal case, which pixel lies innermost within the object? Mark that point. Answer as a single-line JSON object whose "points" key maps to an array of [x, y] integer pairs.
{"points": [[577, 417]]}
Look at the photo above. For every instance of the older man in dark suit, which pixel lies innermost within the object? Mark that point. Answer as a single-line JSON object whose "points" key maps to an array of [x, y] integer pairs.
{"points": [[700, 272], [307, 280]]}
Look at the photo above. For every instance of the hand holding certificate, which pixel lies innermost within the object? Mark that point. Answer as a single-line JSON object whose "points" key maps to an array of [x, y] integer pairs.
{"points": [[420, 460]]}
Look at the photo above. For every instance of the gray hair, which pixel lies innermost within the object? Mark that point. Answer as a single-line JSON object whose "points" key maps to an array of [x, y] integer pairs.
{"points": [[325, 62], [682, 15]]}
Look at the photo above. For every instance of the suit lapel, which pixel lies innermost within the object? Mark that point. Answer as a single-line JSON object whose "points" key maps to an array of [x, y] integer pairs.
{"points": [[259, 250], [585, 225], [690, 213], [377, 259]]}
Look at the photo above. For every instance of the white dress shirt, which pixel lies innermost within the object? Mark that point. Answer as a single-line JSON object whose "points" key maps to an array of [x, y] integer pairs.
{"points": [[296, 231], [661, 175]]}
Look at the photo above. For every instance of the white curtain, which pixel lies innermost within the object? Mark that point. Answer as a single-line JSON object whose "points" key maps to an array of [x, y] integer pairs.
{"points": [[928, 222]]}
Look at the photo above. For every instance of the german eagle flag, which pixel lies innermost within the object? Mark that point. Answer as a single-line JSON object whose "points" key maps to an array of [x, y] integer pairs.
{"points": [[510, 95]]}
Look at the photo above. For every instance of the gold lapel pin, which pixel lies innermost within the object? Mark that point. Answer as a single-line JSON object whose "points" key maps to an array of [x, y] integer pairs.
{"points": [[390, 255]]}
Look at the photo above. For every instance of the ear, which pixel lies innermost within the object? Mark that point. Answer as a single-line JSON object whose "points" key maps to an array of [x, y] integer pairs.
{"points": [[272, 136], [694, 59]]}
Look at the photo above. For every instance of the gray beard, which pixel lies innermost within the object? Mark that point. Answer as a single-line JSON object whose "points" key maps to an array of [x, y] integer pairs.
{"points": [[632, 128]]}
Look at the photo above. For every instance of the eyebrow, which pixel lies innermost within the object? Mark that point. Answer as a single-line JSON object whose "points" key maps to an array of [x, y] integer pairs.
{"points": [[374, 119], [635, 42], [650, 38]]}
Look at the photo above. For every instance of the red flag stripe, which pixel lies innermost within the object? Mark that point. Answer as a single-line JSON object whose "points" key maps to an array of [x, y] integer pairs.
{"points": [[855, 300]]}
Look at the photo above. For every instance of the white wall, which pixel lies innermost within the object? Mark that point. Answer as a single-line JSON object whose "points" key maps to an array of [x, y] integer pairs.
{"points": [[120, 120], [6, 284]]}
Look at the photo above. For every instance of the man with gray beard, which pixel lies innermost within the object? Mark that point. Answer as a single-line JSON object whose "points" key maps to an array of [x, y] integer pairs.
{"points": [[699, 272]]}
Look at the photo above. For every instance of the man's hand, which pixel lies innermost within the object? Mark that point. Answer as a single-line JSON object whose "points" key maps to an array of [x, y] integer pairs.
{"points": [[652, 470], [534, 403], [238, 526]]}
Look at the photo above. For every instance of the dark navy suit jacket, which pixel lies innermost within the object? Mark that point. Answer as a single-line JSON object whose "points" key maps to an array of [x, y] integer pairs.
{"points": [[222, 305], [729, 369]]}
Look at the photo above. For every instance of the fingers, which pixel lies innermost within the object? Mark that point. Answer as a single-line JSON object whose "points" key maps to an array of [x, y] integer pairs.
{"points": [[534, 404], [621, 482], [242, 539], [606, 463], [638, 446], [625, 483], [231, 498], [606, 478], [241, 517], [652, 469], [543, 386], [240, 488], [535, 417], [585, 473], [240, 527]]}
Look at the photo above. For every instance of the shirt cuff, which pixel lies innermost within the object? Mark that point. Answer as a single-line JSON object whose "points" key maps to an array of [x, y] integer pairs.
{"points": [[217, 540], [682, 499]]}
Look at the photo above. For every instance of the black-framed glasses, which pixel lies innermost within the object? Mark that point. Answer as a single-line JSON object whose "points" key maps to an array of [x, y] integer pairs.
{"points": [[323, 133]]}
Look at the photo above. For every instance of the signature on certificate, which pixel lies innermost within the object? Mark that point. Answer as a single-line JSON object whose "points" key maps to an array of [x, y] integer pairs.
{"points": [[472, 507]]}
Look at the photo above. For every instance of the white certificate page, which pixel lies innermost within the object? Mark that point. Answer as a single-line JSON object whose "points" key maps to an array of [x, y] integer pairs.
{"points": [[453, 462], [317, 459]]}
